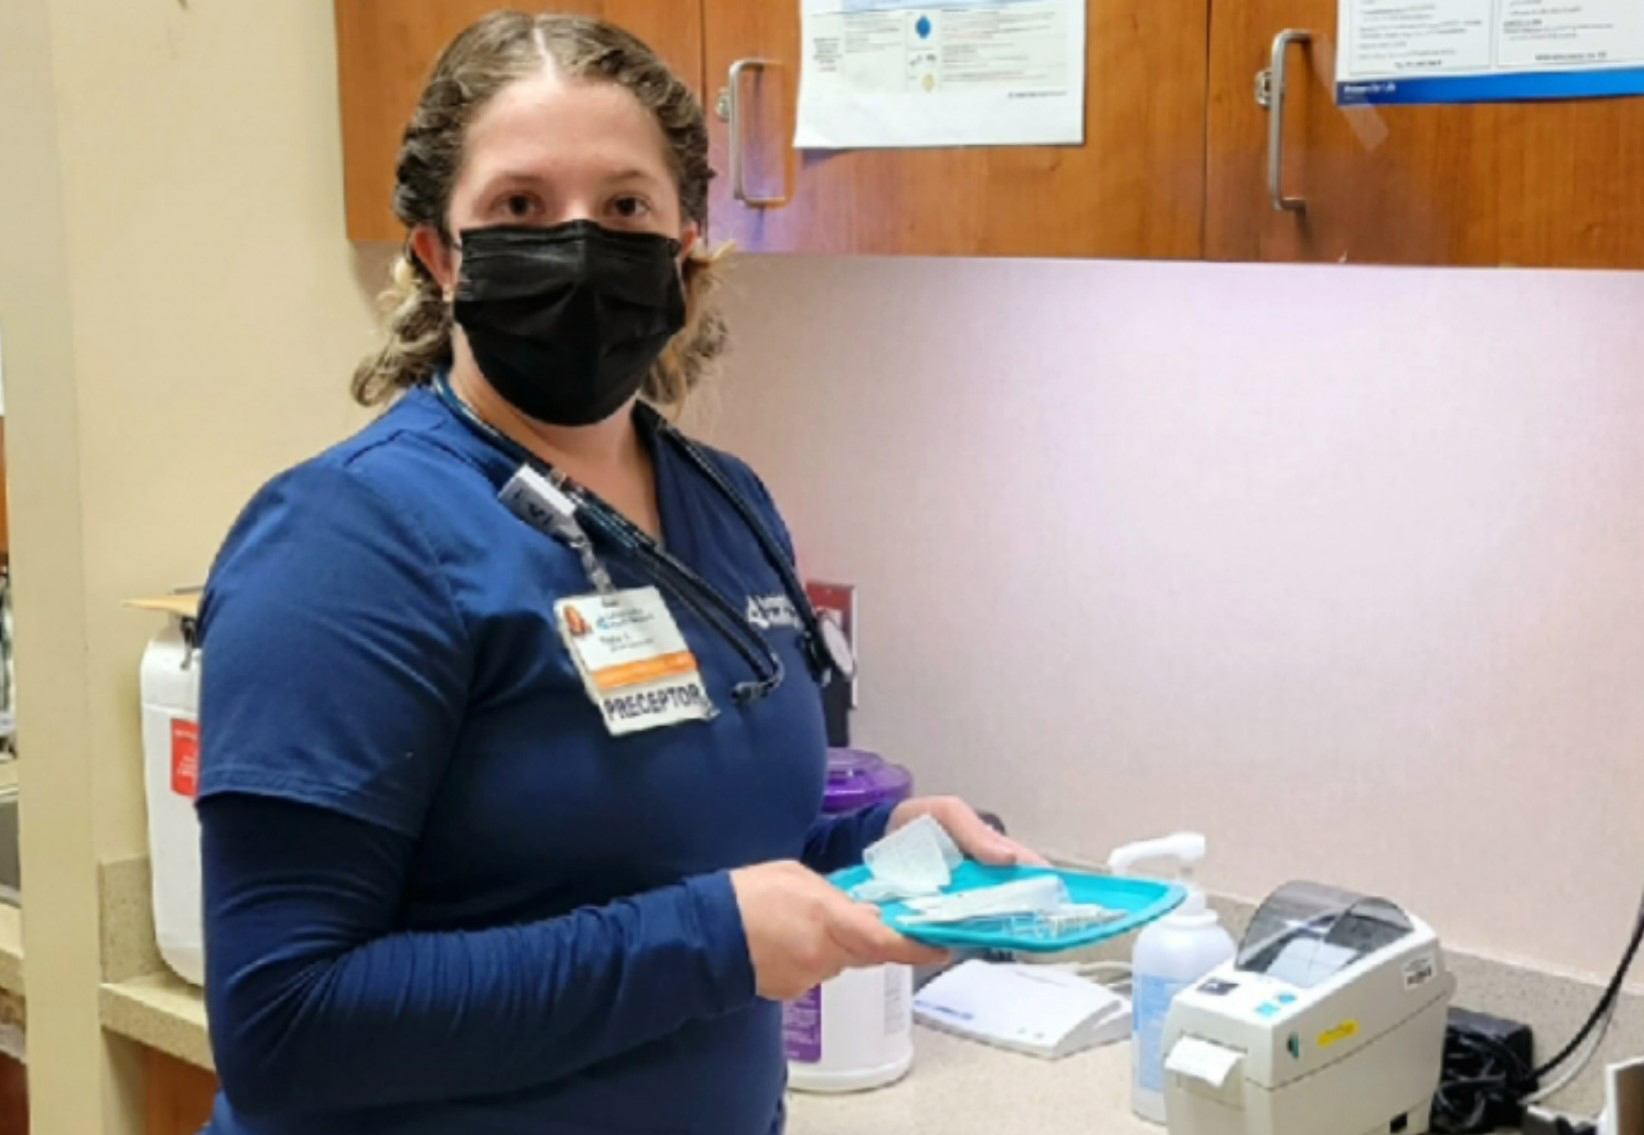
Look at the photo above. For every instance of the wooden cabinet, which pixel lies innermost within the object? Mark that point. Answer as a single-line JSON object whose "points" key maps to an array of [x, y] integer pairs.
{"points": [[1533, 184], [1134, 189], [14, 1097], [1174, 164], [180, 1096], [386, 48]]}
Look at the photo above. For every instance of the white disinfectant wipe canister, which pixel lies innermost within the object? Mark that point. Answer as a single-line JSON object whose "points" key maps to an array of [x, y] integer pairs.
{"points": [[1171, 954], [852, 1033], [169, 684], [855, 1032]]}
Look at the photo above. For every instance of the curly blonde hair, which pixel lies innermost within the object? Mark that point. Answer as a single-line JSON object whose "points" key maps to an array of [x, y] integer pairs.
{"points": [[500, 49]]}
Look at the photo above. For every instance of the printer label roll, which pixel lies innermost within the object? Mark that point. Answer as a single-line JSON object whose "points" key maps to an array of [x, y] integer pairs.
{"points": [[1207, 1063]]}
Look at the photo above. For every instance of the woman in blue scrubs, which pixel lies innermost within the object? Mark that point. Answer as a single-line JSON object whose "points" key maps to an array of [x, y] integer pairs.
{"points": [[465, 873]]}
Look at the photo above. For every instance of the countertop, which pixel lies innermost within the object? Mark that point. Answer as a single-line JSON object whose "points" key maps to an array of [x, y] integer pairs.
{"points": [[957, 1087], [161, 1012]]}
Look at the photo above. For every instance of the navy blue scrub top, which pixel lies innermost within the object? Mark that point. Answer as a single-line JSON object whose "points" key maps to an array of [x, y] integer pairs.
{"points": [[439, 896]]}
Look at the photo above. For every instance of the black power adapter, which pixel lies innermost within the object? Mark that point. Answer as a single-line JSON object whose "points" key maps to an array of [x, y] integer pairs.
{"points": [[1489, 1066], [1494, 1031]]}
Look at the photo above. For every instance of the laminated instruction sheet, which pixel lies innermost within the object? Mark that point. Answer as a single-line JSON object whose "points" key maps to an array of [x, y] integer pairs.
{"points": [[893, 73], [1460, 51]]}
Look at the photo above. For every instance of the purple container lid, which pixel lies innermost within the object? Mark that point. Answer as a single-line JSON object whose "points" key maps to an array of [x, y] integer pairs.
{"points": [[860, 779]]}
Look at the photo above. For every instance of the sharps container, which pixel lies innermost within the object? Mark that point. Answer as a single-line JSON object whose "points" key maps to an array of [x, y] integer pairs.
{"points": [[169, 684], [855, 1032]]}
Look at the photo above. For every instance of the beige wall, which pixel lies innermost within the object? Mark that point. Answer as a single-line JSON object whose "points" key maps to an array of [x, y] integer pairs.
{"points": [[1344, 567], [44, 484], [216, 311], [181, 310]]}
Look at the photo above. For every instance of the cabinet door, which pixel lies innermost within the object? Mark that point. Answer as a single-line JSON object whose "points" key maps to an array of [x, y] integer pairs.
{"points": [[1134, 189], [385, 49], [1535, 184], [180, 1096], [14, 1097]]}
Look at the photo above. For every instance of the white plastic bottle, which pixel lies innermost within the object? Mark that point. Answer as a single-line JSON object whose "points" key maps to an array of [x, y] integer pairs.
{"points": [[1170, 955]]}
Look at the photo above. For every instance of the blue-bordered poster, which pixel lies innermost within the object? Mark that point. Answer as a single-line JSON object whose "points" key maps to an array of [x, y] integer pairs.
{"points": [[1461, 51]]}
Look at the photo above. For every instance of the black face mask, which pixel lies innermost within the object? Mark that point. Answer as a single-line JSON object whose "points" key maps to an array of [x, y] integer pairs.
{"points": [[566, 321]]}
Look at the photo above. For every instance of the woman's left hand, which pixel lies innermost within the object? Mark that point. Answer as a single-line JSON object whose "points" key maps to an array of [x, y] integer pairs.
{"points": [[968, 830]]}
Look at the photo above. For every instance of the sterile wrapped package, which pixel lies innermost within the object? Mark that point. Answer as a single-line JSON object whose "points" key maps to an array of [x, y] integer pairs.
{"points": [[916, 859], [1038, 895]]}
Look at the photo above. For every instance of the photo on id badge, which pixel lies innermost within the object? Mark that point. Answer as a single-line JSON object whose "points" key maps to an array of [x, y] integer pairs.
{"points": [[634, 663], [575, 624]]}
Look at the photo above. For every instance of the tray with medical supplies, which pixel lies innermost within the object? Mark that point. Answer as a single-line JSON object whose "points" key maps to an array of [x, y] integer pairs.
{"points": [[932, 894], [929, 891], [1023, 909]]}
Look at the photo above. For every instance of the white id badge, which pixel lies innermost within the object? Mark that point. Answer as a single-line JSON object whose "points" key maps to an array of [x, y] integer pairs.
{"points": [[633, 660]]}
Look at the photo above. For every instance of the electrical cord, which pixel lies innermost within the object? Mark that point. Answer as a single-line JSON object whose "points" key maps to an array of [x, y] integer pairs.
{"points": [[1606, 1004], [1486, 1085], [1115, 975], [1119, 970], [1568, 1076]]}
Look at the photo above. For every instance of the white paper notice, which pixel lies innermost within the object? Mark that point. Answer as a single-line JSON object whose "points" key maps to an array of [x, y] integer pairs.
{"points": [[894, 73], [1428, 51]]}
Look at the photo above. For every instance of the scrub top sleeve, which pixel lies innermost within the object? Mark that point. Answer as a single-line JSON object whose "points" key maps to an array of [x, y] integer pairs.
{"points": [[837, 842], [319, 1003], [336, 662]]}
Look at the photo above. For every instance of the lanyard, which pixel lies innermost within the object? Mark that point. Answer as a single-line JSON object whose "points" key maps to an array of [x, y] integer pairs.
{"points": [[569, 505]]}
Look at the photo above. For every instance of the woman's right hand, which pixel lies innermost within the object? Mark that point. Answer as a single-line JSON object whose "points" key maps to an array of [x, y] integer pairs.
{"points": [[802, 931]]}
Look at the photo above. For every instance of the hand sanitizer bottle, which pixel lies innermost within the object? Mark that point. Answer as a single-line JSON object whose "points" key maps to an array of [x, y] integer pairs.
{"points": [[1171, 955]]}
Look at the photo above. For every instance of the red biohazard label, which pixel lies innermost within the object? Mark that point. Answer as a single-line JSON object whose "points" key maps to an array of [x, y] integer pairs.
{"points": [[185, 758]]}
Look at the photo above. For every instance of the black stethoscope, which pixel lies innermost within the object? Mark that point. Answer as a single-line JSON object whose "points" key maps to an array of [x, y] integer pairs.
{"points": [[826, 648]]}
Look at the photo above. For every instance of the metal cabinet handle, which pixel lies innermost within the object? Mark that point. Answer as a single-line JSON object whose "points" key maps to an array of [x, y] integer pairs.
{"points": [[730, 109], [1270, 90]]}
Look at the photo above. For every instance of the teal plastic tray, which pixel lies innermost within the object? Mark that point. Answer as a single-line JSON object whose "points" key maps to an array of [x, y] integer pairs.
{"points": [[1142, 900]]}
